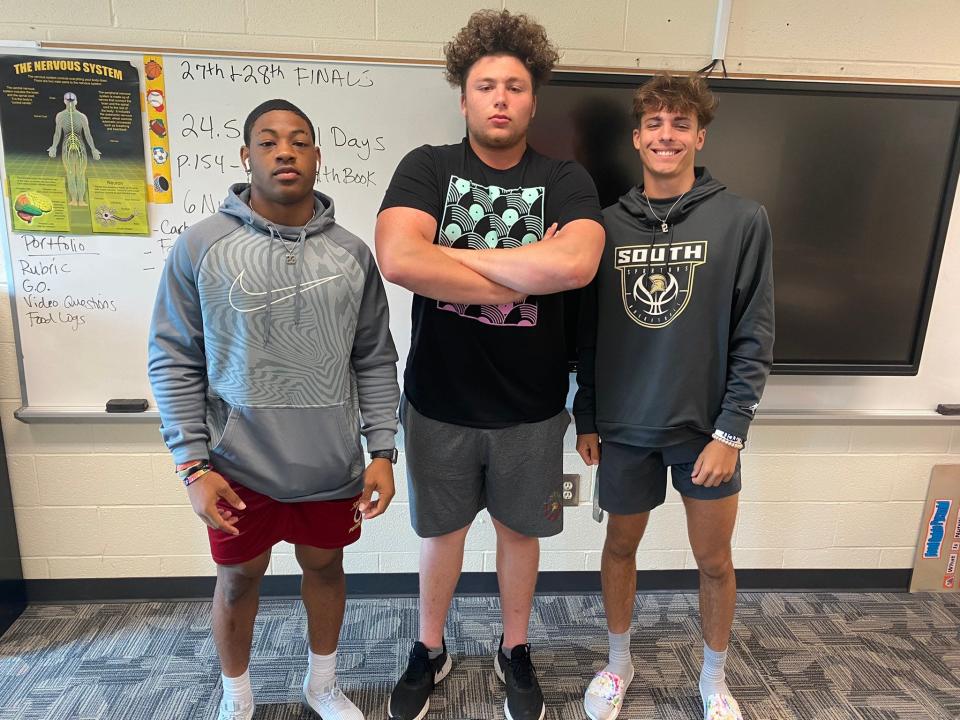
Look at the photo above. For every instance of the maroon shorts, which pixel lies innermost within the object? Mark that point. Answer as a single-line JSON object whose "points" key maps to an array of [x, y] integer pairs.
{"points": [[325, 524]]}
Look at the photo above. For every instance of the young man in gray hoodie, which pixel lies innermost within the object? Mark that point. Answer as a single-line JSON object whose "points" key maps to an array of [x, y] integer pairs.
{"points": [[270, 343], [676, 345]]}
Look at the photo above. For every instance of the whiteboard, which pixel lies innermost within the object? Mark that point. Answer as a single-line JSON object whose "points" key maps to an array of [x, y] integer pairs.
{"points": [[100, 289], [368, 116]]}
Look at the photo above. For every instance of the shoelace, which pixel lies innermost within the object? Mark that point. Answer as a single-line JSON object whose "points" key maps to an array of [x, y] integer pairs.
{"points": [[334, 694], [521, 666], [418, 667]]}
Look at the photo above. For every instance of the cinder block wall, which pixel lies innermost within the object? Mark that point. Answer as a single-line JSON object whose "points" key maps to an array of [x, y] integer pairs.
{"points": [[100, 501]]}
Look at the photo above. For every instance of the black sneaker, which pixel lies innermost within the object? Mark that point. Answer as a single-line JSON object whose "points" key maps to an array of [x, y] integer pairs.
{"points": [[524, 697], [410, 698]]}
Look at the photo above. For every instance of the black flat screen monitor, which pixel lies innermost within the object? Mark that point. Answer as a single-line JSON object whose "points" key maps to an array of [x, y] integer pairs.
{"points": [[858, 181]]}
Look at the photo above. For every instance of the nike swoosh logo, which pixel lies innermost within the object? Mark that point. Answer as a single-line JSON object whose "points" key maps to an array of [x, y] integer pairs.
{"points": [[242, 300]]}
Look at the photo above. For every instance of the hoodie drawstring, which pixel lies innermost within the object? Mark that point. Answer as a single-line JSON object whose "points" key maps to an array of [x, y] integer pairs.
{"points": [[271, 271], [300, 263], [274, 236]]}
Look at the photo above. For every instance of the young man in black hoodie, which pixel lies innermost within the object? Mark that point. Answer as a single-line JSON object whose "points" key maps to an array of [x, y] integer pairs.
{"points": [[676, 346]]}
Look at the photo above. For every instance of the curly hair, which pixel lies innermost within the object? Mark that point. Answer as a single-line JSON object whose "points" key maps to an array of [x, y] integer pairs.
{"points": [[683, 94], [498, 32]]}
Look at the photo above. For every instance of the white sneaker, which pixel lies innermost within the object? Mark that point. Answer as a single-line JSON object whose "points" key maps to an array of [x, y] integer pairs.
{"points": [[331, 705], [604, 697], [233, 710]]}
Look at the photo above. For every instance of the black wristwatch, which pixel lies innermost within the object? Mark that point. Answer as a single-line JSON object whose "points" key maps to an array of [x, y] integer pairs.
{"points": [[390, 455]]}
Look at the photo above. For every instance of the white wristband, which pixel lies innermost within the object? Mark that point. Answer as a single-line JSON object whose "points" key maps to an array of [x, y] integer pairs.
{"points": [[728, 439]]}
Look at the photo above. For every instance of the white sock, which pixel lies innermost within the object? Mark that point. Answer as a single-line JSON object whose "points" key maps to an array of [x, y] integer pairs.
{"points": [[321, 672], [621, 661], [237, 690], [713, 678]]}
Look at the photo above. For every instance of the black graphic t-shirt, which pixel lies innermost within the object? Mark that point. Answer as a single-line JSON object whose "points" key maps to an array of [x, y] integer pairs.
{"points": [[489, 365]]}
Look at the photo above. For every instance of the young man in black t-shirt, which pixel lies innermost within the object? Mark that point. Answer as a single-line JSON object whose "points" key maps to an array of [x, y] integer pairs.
{"points": [[486, 233]]}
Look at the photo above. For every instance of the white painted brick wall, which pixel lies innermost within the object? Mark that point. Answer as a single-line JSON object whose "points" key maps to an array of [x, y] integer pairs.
{"points": [[187, 565], [116, 515], [878, 30], [320, 18], [60, 531], [671, 26], [787, 525], [56, 14], [101, 500], [72, 480], [23, 480], [221, 16], [399, 20], [867, 524], [570, 28]]}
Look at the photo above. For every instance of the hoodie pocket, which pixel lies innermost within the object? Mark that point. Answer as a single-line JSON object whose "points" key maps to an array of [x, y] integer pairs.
{"points": [[221, 421], [291, 453]]}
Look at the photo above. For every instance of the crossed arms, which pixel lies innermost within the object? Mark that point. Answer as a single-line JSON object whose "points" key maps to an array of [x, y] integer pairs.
{"points": [[565, 259]]}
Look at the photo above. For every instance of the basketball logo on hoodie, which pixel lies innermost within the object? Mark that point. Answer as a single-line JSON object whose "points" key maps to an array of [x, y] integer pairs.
{"points": [[657, 280]]}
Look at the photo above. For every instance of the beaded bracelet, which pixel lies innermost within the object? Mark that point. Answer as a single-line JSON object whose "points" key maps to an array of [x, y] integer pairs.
{"points": [[728, 439]]}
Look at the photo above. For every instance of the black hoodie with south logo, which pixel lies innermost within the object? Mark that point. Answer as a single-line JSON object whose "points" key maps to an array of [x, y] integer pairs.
{"points": [[676, 329]]}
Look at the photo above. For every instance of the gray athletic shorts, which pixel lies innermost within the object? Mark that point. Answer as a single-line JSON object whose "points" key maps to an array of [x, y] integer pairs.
{"points": [[453, 472], [634, 479]]}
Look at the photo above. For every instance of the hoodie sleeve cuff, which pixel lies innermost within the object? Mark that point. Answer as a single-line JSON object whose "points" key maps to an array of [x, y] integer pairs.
{"points": [[734, 424], [380, 440], [190, 451], [586, 424]]}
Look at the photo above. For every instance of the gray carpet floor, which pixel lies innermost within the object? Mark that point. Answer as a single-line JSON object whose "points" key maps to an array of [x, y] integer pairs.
{"points": [[813, 656]]}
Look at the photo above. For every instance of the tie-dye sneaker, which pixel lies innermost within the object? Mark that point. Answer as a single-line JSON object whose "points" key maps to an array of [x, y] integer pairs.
{"points": [[721, 706], [604, 697]]}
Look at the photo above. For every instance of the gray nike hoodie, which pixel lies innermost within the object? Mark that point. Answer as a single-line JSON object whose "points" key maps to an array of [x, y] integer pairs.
{"points": [[269, 344], [676, 332]]}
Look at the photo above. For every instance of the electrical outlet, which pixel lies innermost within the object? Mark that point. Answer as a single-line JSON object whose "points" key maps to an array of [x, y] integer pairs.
{"points": [[571, 489]]}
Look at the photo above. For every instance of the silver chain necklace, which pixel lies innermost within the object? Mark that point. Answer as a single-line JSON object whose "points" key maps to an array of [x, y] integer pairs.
{"points": [[291, 253], [663, 221]]}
